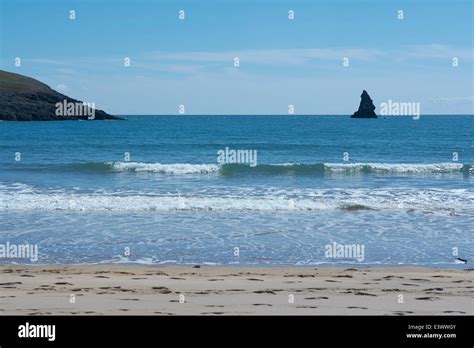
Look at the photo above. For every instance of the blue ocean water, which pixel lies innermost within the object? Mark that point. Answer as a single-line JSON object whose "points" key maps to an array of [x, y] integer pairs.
{"points": [[85, 192]]}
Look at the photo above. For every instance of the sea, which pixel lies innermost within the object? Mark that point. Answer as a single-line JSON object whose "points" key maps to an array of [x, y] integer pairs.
{"points": [[240, 190]]}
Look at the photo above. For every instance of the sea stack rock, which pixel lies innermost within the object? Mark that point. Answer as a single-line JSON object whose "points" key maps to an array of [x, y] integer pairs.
{"points": [[25, 99], [366, 107]]}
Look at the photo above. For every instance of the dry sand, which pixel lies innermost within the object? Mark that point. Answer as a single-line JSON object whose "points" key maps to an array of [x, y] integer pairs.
{"points": [[152, 290]]}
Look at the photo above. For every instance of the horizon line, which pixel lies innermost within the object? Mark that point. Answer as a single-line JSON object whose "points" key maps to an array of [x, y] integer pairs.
{"points": [[290, 115]]}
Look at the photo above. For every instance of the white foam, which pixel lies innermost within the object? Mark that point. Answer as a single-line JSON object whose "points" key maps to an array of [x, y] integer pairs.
{"points": [[187, 168], [176, 168], [413, 168], [395, 199]]}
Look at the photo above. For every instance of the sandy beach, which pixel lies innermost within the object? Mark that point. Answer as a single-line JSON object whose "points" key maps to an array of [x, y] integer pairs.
{"points": [[194, 290]]}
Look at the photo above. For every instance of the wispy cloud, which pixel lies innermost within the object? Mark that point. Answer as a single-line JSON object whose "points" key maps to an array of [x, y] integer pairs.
{"points": [[193, 62], [437, 51], [62, 87], [47, 61], [306, 55], [452, 99], [67, 71], [269, 56]]}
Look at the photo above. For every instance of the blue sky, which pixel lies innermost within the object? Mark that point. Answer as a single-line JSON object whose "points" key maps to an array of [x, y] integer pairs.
{"points": [[282, 61]]}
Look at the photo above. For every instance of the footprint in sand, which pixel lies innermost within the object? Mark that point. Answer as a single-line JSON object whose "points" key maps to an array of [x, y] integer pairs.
{"points": [[419, 280], [402, 312], [428, 298], [212, 313], [360, 293], [317, 298], [391, 276], [10, 283], [162, 289], [264, 292], [128, 290]]}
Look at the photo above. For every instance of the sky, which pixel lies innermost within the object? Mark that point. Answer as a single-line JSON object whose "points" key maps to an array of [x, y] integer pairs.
{"points": [[282, 61]]}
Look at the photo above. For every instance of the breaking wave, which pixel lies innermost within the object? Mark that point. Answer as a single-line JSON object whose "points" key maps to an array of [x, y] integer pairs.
{"points": [[287, 169], [443, 201]]}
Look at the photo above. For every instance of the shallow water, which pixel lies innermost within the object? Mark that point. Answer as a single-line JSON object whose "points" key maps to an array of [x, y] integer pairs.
{"points": [[400, 194]]}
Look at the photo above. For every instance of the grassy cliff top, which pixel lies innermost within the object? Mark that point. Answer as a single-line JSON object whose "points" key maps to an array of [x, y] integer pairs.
{"points": [[10, 82]]}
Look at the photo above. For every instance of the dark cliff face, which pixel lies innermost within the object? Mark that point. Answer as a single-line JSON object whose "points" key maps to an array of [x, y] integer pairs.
{"points": [[366, 107], [26, 99]]}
